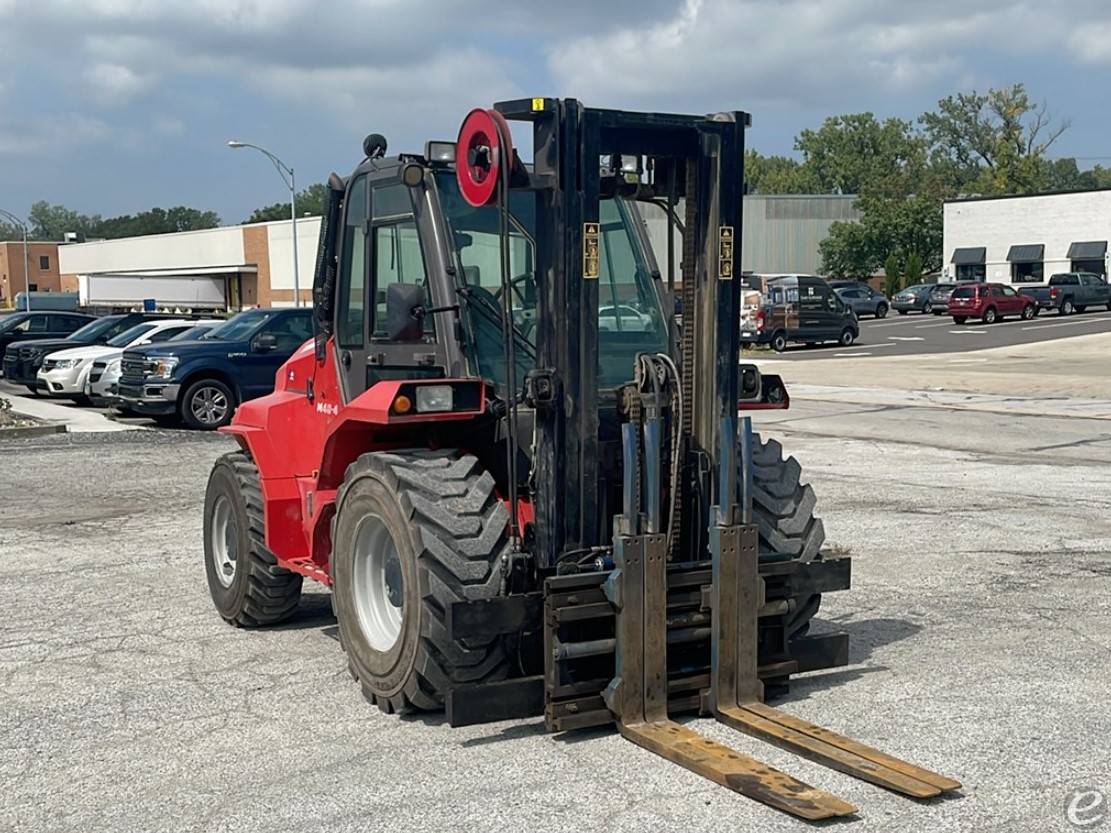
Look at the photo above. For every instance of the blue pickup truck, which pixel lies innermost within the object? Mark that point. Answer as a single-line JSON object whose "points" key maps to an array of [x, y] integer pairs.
{"points": [[200, 383]]}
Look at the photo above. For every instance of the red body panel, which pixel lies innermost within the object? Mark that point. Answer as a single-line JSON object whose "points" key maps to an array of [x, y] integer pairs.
{"points": [[303, 446]]}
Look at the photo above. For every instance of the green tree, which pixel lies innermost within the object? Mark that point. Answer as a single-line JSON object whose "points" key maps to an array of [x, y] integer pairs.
{"points": [[858, 154], [51, 222], [309, 201], [993, 142], [776, 175], [10, 232], [912, 270], [848, 251], [891, 274]]}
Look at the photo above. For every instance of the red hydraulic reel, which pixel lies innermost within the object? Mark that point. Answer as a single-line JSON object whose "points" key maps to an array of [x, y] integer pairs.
{"points": [[483, 152]]}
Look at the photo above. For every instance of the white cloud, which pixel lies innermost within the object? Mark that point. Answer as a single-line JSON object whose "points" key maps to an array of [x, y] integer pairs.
{"points": [[114, 84], [1092, 43], [48, 137]]}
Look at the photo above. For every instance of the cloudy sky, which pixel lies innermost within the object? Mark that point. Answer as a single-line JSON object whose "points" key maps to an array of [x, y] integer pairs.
{"points": [[113, 106]]}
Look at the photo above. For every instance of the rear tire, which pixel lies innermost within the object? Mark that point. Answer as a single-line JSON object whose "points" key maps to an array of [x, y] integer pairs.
{"points": [[1066, 307], [903, 312], [847, 338], [1028, 312], [783, 509], [415, 531], [881, 311], [927, 308], [990, 316], [1081, 307], [959, 319], [247, 586]]}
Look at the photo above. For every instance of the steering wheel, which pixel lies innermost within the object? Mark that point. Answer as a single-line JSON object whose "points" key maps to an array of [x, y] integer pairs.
{"points": [[517, 286]]}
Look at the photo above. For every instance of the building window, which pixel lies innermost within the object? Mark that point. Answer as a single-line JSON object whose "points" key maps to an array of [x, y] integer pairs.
{"points": [[972, 272], [33, 287], [44, 263], [1032, 272], [1095, 267]]}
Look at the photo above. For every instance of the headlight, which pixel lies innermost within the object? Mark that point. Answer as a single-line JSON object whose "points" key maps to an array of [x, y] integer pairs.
{"points": [[114, 365], [432, 398], [163, 367]]}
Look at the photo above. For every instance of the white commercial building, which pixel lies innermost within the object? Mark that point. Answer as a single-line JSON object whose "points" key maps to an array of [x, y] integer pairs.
{"points": [[1026, 239], [227, 268]]}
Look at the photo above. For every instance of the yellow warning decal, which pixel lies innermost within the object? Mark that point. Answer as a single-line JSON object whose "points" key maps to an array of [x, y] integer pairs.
{"points": [[725, 253], [537, 104], [590, 251]]}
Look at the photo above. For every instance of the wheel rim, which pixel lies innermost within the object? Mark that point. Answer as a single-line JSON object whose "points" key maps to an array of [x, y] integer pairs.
{"points": [[928, 308], [990, 316], [224, 541], [209, 405], [378, 583]]}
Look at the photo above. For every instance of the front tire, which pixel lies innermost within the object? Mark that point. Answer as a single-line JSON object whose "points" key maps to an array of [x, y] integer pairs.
{"points": [[847, 338], [990, 316], [959, 319], [783, 509], [1066, 307], [1028, 312], [247, 586], [779, 342], [881, 311], [927, 308], [208, 404], [414, 532]]}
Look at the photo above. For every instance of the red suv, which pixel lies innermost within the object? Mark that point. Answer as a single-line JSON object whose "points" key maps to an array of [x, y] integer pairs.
{"points": [[990, 302]]}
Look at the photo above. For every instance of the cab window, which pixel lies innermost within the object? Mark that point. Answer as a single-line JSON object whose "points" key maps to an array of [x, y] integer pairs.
{"points": [[398, 257], [351, 306], [291, 331]]}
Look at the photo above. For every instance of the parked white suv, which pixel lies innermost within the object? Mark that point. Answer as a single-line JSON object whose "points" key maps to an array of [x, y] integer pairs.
{"points": [[66, 372], [103, 380]]}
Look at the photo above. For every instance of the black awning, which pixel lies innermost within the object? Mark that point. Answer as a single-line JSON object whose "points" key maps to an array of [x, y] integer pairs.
{"points": [[969, 257], [1094, 250], [1030, 253]]}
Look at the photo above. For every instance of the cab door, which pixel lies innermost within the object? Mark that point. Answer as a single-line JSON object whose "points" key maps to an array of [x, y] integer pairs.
{"points": [[382, 246], [817, 311]]}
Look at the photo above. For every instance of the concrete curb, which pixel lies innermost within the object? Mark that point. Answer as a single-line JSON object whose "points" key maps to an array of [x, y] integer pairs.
{"points": [[23, 432]]}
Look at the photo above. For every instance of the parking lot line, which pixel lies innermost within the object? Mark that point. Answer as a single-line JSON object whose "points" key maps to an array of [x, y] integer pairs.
{"points": [[868, 346], [930, 326], [905, 338], [1073, 323], [973, 332], [851, 355], [872, 326]]}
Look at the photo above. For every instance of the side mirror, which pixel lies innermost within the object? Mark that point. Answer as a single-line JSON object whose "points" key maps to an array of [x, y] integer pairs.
{"points": [[264, 343], [404, 312]]}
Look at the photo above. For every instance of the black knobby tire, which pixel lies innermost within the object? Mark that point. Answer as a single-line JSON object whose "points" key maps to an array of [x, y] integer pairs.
{"points": [[783, 508], [196, 391], [450, 533], [259, 592]]}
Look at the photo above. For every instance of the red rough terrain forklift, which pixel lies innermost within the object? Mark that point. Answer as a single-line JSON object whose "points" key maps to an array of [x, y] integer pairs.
{"points": [[526, 482]]}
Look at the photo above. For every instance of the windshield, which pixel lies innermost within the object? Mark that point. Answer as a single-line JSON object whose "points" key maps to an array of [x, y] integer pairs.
{"points": [[240, 326], [95, 329], [629, 316], [11, 321], [127, 336], [194, 333]]}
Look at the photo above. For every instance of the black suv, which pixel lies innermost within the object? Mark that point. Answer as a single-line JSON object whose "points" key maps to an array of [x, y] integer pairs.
{"points": [[23, 326], [22, 361]]}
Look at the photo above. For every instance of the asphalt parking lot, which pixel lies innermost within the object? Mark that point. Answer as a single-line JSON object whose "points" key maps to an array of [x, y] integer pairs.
{"points": [[905, 335], [978, 618]]}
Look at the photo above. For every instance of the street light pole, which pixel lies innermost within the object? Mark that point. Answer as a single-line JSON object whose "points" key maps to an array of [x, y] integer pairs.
{"points": [[286, 173], [26, 261]]}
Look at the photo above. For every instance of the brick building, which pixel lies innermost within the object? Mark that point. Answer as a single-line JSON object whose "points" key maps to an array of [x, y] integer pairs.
{"points": [[42, 258]]}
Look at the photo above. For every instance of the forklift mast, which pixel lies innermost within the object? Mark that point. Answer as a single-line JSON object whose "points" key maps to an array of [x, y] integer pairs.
{"points": [[699, 158]]}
